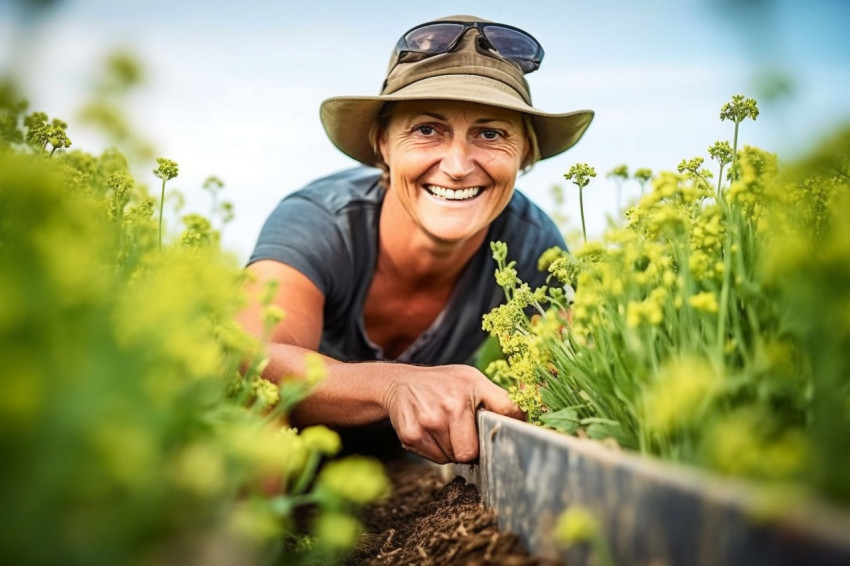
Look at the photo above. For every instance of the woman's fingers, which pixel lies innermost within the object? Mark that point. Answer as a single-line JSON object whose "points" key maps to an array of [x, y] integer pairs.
{"points": [[496, 399], [427, 447], [463, 432], [417, 435]]}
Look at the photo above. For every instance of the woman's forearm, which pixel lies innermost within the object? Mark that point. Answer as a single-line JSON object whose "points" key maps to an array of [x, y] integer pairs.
{"points": [[350, 394]]}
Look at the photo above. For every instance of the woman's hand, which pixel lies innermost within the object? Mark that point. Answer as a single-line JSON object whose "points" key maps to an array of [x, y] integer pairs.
{"points": [[433, 409]]}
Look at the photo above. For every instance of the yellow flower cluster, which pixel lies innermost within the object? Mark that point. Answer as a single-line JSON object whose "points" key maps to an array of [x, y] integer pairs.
{"points": [[711, 328], [356, 478], [757, 172], [705, 301], [679, 395], [649, 311], [576, 525]]}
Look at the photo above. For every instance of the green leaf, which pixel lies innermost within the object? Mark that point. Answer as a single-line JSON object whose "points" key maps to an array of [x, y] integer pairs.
{"points": [[565, 420], [600, 431], [599, 420]]}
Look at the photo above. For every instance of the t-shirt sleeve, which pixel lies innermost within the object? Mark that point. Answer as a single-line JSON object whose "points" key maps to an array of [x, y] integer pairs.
{"points": [[305, 236]]}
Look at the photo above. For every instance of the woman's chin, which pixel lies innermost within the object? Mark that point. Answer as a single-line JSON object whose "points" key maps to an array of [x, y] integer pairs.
{"points": [[448, 232]]}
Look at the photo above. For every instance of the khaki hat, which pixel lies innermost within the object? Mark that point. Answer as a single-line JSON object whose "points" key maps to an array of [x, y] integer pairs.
{"points": [[468, 73]]}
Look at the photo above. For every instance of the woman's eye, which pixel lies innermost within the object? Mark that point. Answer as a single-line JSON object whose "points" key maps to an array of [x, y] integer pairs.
{"points": [[491, 134], [425, 130]]}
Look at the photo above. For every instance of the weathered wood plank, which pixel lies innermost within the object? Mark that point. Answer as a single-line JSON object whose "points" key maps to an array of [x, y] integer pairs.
{"points": [[651, 512]]}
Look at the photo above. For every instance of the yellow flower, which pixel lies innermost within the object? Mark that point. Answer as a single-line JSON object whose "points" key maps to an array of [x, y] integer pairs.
{"points": [[128, 453], [254, 521], [268, 394], [699, 263], [274, 451], [507, 276], [337, 531], [548, 256], [738, 445], [646, 312], [704, 302], [576, 525], [199, 469], [356, 478], [321, 439], [680, 393]]}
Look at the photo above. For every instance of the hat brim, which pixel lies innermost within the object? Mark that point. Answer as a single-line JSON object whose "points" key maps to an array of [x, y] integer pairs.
{"points": [[347, 119]]}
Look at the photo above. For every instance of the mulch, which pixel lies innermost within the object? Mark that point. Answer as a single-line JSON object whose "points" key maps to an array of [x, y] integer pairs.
{"points": [[428, 521]]}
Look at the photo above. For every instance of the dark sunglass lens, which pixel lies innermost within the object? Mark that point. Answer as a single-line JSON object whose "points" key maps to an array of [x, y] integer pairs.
{"points": [[511, 43], [433, 38]]}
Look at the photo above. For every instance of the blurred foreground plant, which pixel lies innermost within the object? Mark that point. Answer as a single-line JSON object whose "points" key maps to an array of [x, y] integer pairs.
{"points": [[132, 432]]}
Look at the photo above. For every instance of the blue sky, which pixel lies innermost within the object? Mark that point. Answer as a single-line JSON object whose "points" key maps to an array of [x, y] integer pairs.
{"points": [[233, 88]]}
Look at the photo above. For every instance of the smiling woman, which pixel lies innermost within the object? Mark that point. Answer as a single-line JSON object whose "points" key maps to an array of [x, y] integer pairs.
{"points": [[385, 270]]}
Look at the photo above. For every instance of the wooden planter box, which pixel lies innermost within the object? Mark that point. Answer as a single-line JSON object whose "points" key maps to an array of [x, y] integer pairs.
{"points": [[650, 512]]}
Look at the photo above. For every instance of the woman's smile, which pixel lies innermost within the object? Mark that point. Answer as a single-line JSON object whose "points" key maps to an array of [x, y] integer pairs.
{"points": [[457, 195]]}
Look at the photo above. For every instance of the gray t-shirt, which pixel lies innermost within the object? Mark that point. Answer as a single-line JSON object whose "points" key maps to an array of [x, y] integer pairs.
{"points": [[329, 232]]}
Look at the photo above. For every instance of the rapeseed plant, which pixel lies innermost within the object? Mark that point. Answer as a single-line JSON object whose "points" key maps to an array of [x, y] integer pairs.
{"points": [[133, 412], [722, 153], [580, 175], [578, 526], [620, 173], [642, 176], [715, 308], [737, 110], [166, 170]]}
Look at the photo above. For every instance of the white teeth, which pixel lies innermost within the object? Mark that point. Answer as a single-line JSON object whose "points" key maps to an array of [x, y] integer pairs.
{"points": [[449, 194]]}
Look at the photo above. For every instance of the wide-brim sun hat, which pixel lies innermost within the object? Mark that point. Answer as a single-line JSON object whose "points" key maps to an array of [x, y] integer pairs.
{"points": [[468, 73]]}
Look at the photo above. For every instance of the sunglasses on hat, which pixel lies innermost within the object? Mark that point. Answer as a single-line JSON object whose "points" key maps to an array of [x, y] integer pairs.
{"points": [[436, 38]]}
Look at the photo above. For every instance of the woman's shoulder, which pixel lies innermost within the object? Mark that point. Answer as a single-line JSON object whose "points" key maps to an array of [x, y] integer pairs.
{"points": [[355, 187], [521, 210]]}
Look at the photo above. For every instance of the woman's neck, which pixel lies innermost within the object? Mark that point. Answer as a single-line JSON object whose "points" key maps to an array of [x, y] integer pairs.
{"points": [[409, 255]]}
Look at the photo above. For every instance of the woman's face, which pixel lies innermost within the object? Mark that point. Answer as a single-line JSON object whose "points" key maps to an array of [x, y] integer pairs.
{"points": [[453, 164]]}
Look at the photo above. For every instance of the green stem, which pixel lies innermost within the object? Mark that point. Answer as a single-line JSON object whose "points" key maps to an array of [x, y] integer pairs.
{"points": [[307, 474], [735, 153], [719, 181], [299, 500], [581, 208], [725, 289], [161, 206]]}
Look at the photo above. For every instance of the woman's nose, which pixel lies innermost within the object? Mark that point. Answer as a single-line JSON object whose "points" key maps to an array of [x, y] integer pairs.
{"points": [[457, 162]]}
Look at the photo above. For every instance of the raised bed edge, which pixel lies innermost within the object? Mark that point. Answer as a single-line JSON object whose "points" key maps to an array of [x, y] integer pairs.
{"points": [[651, 512]]}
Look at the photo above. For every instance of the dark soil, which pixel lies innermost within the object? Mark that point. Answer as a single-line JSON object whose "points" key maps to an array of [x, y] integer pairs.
{"points": [[427, 522]]}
